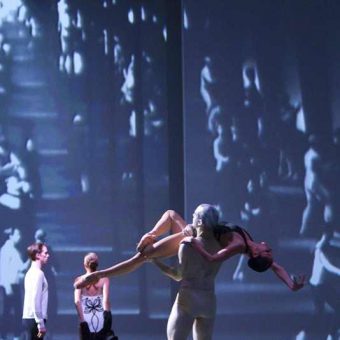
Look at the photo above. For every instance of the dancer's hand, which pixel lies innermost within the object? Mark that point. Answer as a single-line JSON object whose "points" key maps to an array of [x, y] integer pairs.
{"points": [[41, 332], [187, 240], [195, 243], [86, 280], [298, 282], [192, 241], [188, 230], [146, 240]]}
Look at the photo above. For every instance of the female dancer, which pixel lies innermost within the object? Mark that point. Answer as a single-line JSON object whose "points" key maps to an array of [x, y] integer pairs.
{"points": [[93, 305], [236, 240], [231, 241]]}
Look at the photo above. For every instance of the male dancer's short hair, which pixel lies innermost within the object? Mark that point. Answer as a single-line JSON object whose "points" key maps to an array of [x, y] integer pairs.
{"points": [[34, 249]]}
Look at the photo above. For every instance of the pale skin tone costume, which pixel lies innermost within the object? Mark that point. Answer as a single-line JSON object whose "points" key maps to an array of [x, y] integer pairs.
{"points": [[195, 305]]}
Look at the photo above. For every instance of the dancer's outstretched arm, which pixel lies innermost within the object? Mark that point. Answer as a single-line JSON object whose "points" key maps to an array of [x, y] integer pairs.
{"points": [[222, 255], [294, 283], [166, 247], [119, 269]]}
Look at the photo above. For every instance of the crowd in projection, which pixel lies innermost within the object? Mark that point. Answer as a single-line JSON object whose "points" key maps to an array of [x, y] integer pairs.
{"points": [[84, 53], [87, 45], [261, 150]]}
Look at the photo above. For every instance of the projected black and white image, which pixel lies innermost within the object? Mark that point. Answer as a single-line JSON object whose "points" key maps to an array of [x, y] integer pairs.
{"points": [[256, 86], [103, 161]]}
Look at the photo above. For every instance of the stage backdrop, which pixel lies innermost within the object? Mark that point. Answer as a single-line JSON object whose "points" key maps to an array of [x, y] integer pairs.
{"points": [[87, 156]]}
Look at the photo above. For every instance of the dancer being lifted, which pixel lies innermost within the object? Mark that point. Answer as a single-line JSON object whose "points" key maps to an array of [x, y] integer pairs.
{"points": [[233, 240]]}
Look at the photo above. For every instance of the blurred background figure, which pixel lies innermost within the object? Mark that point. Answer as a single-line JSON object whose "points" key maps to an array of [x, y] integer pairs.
{"points": [[12, 269], [15, 192], [325, 288], [128, 87], [221, 147], [291, 140], [318, 194], [252, 118], [207, 83]]}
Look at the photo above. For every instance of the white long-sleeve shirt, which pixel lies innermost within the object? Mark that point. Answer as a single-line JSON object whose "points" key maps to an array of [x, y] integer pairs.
{"points": [[36, 296]]}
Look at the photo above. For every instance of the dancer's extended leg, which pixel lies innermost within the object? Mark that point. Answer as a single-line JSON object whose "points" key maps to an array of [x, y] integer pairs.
{"points": [[166, 247], [169, 221]]}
